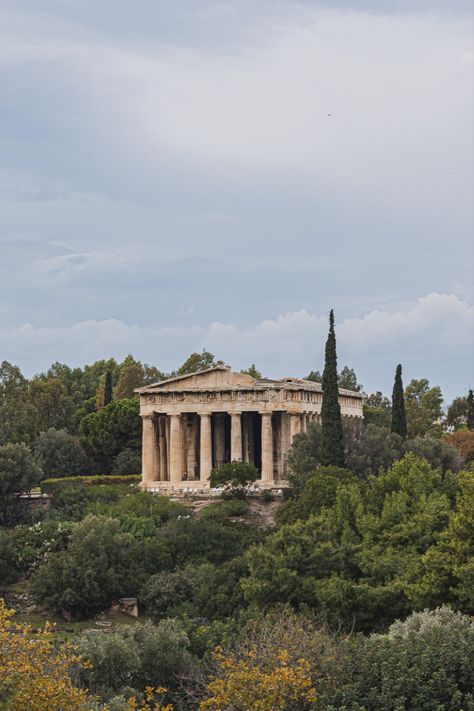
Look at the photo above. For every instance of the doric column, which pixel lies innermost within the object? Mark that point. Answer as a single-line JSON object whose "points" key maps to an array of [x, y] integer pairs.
{"points": [[176, 450], [295, 426], [206, 448], [235, 437], [219, 439], [148, 449], [267, 447], [162, 449]]}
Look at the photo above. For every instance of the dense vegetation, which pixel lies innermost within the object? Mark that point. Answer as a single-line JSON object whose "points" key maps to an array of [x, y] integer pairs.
{"points": [[358, 598]]}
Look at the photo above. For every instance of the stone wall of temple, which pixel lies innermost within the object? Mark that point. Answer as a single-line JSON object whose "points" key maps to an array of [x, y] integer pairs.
{"points": [[194, 423]]}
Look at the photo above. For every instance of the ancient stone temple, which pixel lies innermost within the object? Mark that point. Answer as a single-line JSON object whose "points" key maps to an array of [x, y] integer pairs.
{"points": [[196, 422]]}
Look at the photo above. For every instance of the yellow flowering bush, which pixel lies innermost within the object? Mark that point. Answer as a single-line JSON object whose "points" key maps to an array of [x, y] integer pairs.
{"points": [[37, 675], [240, 684], [36, 671]]}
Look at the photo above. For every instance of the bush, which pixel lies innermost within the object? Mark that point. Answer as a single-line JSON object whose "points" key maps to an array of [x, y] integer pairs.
{"points": [[463, 440], [59, 452], [19, 473], [127, 462], [73, 500], [438, 452], [424, 663], [8, 568], [359, 560], [135, 656], [110, 430], [100, 565], [224, 509], [320, 492], [205, 591], [51, 486], [33, 544], [235, 478]]}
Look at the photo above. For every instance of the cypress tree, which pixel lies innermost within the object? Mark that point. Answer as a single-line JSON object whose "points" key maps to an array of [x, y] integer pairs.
{"points": [[332, 447], [470, 411], [399, 419], [108, 388]]}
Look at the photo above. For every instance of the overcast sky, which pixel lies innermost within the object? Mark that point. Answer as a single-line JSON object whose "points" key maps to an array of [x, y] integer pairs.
{"points": [[178, 175]]}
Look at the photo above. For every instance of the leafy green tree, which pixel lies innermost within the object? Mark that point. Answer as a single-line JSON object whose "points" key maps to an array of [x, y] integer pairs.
{"points": [[127, 462], [133, 657], [100, 565], [320, 491], [399, 421], [202, 591], [438, 452], [456, 415], [19, 473], [377, 410], [252, 371], [448, 565], [151, 374], [53, 406], [422, 664], [108, 388], [315, 376], [348, 380], [60, 454], [371, 450], [360, 558], [16, 412], [112, 429], [197, 362], [235, 478], [470, 411], [423, 408], [304, 456], [205, 540], [130, 377], [332, 448]]}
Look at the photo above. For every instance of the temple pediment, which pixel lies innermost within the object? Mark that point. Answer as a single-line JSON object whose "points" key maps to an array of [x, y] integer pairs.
{"points": [[218, 378]]}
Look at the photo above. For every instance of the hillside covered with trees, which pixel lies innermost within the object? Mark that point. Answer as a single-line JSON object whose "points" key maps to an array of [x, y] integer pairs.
{"points": [[358, 597]]}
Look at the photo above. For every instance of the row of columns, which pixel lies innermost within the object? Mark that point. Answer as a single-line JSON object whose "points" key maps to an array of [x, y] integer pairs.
{"points": [[297, 423]]}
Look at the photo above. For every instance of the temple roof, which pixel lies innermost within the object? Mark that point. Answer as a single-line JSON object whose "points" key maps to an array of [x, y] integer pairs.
{"points": [[221, 377]]}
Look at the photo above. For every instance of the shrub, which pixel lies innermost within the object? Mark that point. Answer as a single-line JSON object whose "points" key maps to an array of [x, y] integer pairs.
{"points": [[423, 663], [59, 452], [127, 462], [235, 478], [110, 430], [19, 473], [8, 569], [135, 656], [463, 440], [50, 486], [39, 674], [359, 559], [100, 565], [319, 492], [73, 500]]}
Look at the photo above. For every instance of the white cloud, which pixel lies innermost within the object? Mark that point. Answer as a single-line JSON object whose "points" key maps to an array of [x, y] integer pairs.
{"points": [[433, 337]]}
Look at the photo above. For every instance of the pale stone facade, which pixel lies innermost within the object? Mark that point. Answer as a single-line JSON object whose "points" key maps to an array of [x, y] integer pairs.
{"points": [[196, 422]]}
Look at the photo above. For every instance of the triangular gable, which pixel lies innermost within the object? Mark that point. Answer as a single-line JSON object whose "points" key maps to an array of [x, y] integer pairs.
{"points": [[217, 377]]}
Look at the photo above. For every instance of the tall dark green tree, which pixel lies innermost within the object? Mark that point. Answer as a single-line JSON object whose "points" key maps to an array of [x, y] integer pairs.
{"points": [[332, 446], [470, 411], [108, 393], [399, 419]]}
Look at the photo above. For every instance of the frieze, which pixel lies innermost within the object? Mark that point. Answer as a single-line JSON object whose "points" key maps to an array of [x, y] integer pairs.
{"points": [[229, 396]]}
